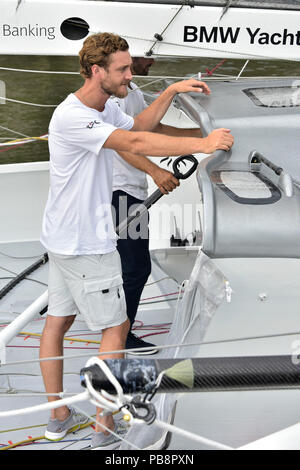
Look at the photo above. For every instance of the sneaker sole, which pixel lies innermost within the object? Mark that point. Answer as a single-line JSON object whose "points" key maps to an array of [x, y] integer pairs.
{"points": [[143, 353], [112, 446], [55, 436]]}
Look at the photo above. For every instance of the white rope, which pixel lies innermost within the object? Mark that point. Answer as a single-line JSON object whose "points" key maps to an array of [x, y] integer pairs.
{"points": [[144, 77], [38, 71], [242, 70], [167, 346], [15, 392], [47, 406], [27, 141], [29, 104], [190, 435], [104, 399], [107, 429], [14, 132]]}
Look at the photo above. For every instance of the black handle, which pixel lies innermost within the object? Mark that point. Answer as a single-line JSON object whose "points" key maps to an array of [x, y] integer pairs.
{"points": [[180, 176], [154, 197], [176, 163], [257, 157]]}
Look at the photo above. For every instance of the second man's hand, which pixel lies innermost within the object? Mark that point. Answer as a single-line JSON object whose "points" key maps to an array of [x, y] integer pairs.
{"points": [[164, 179]]}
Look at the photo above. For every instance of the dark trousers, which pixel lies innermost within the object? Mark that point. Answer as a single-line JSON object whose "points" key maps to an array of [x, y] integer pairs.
{"points": [[134, 252]]}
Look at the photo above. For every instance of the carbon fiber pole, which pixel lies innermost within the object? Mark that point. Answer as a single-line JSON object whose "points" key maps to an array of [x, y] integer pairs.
{"points": [[198, 374]]}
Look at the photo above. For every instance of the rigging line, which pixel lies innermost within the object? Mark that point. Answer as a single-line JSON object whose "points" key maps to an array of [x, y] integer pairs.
{"points": [[28, 103], [189, 435], [26, 279], [87, 437], [47, 406], [39, 438], [107, 429], [19, 3], [158, 301], [38, 71], [20, 257], [15, 393], [66, 338], [242, 69], [226, 8], [15, 132], [23, 428], [140, 77], [159, 37], [24, 141], [168, 346], [155, 282]]}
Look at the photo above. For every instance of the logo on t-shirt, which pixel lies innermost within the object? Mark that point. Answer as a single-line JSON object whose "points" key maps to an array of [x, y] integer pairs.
{"points": [[92, 124]]}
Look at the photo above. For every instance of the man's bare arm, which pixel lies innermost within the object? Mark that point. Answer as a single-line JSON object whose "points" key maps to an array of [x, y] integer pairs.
{"points": [[149, 143], [148, 119]]}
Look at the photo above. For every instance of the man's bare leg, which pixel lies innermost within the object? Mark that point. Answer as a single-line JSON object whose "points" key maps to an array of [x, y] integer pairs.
{"points": [[113, 339], [52, 371]]}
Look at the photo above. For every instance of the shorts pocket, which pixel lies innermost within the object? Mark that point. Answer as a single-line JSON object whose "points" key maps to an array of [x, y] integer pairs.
{"points": [[106, 304]]}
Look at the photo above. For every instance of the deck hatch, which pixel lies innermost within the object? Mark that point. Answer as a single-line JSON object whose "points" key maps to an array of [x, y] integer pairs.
{"points": [[246, 187], [275, 97]]}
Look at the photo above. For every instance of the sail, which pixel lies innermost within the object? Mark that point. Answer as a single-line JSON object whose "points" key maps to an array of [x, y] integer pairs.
{"points": [[275, 4], [210, 28]]}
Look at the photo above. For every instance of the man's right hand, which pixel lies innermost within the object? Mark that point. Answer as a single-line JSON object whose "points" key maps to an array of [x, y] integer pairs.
{"points": [[164, 179], [219, 139]]}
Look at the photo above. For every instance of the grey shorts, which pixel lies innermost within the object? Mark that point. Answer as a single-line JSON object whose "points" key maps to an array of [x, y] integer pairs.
{"points": [[89, 284]]}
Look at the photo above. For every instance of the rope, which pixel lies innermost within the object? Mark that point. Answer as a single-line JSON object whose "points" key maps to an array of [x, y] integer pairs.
{"points": [[201, 440], [107, 429], [46, 406], [28, 103], [38, 438], [167, 346], [15, 132], [23, 141], [38, 71], [159, 36], [242, 70]]}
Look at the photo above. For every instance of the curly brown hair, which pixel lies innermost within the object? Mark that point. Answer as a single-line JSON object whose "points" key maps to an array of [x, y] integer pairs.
{"points": [[97, 49]]}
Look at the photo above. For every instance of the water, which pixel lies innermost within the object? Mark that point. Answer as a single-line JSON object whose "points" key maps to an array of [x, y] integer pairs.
{"points": [[52, 89]]}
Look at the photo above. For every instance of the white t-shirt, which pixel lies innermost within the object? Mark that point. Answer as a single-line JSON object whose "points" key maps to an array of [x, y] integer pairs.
{"points": [[77, 218], [125, 176]]}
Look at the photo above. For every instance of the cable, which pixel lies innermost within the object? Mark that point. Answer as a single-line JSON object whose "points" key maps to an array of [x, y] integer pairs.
{"points": [[189, 435], [104, 427], [28, 103], [38, 71], [38, 438]]}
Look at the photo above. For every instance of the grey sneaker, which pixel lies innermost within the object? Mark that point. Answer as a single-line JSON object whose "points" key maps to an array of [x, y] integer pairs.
{"points": [[57, 430], [101, 441]]}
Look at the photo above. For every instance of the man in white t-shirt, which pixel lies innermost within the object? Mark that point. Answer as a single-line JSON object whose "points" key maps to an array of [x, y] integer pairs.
{"points": [[130, 189], [78, 230]]}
